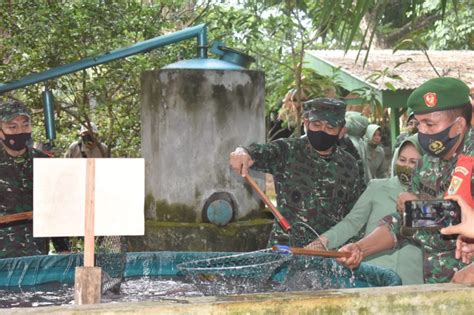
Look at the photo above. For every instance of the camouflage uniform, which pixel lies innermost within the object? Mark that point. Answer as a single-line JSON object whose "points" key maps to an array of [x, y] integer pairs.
{"points": [[16, 195], [430, 181], [310, 188], [433, 175]]}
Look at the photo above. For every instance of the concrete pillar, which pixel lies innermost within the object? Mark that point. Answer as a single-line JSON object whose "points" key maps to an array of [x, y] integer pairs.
{"points": [[191, 121]]}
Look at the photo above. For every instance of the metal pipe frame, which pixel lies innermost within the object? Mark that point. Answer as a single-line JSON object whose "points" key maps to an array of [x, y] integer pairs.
{"points": [[199, 31]]}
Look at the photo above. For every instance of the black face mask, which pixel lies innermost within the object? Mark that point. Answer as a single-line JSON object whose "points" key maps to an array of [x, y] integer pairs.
{"points": [[320, 140], [437, 144], [17, 142], [87, 139]]}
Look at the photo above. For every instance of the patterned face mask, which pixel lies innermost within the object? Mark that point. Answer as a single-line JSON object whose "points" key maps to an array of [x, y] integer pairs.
{"points": [[437, 144], [17, 142], [404, 174]]}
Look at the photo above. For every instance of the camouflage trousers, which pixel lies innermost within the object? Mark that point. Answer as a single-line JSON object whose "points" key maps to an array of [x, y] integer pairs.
{"points": [[17, 240]]}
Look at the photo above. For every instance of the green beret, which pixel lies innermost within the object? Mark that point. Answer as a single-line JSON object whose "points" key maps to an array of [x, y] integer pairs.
{"points": [[12, 109], [325, 109], [439, 94]]}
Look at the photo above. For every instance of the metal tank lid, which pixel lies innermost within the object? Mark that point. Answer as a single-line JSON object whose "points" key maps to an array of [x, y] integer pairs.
{"points": [[204, 63]]}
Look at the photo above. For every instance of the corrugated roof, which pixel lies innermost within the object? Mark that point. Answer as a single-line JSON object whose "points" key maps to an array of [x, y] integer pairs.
{"points": [[414, 67]]}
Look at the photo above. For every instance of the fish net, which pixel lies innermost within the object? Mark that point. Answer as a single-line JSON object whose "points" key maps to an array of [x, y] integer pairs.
{"points": [[111, 257], [252, 272], [235, 274], [301, 234]]}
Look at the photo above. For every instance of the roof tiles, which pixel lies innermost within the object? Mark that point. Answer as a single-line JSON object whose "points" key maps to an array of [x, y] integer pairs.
{"points": [[413, 66]]}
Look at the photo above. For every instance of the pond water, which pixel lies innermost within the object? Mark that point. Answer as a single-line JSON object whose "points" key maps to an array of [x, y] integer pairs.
{"points": [[178, 276], [176, 288], [131, 290]]}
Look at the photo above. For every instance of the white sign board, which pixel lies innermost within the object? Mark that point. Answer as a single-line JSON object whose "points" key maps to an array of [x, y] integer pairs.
{"points": [[59, 194]]}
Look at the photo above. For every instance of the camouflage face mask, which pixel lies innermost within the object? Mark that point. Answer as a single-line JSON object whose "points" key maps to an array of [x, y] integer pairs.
{"points": [[404, 174]]}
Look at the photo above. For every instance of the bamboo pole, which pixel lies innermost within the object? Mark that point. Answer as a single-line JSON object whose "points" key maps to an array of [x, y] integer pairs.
{"points": [[312, 252]]}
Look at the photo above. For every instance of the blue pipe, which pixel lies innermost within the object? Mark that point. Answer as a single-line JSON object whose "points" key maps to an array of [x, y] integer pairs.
{"points": [[199, 31], [48, 108]]}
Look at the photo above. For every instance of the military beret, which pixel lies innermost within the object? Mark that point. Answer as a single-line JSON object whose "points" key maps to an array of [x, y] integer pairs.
{"points": [[328, 109], [438, 94], [12, 109]]}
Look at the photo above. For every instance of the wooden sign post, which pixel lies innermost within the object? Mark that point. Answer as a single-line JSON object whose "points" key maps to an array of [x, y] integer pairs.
{"points": [[88, 279], [110, 208]]}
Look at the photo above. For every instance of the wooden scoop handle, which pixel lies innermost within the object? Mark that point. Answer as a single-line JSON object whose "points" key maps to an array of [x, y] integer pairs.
{"points": [[9, 218], [310, 252], [283, 222]]}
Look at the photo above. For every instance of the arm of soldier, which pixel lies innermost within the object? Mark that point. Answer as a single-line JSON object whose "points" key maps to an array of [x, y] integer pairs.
{"points": [[354, 221], [381, 239], [270, 157], [240, 161]]}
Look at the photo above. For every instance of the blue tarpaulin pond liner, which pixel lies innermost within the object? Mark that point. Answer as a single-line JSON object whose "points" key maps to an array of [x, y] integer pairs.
{"points": [[38, 270]]}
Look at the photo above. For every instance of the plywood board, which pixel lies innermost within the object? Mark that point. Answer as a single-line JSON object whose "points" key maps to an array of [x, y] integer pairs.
{"points": [[59, 189]]}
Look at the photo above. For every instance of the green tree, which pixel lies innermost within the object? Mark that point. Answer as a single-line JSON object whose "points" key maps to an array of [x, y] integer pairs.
{"points": [[38, 35]]}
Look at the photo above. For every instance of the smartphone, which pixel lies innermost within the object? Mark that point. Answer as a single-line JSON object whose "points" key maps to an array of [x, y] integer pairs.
{"points": [[431, 214]]}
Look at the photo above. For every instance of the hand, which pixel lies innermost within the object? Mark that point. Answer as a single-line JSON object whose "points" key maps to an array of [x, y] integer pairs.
{"points": [[402, 197], [465, 275], [356, 255], [464, 249], [240, 161], [319, 243], [466, 227]]}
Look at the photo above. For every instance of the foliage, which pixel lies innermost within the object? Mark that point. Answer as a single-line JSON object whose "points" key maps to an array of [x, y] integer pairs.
{"points": [[40, 35], [277, 33], [455, 31]]}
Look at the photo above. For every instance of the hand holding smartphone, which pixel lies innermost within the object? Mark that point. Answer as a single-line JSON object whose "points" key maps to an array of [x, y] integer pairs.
{"points": [[431, 214]]}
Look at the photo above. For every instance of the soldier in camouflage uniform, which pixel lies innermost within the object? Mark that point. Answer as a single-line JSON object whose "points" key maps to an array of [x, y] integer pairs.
{"points": [[315, 180], [16, 183], [442, 108]]}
